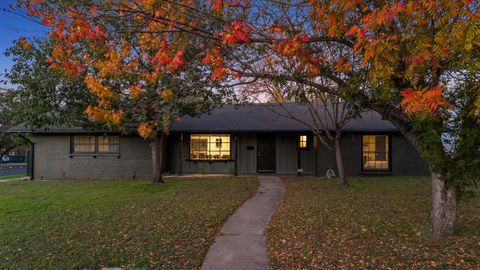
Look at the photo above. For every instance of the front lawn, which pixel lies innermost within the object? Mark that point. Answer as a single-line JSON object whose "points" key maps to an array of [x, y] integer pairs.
{"points": [[376, 223], [94, 224]]}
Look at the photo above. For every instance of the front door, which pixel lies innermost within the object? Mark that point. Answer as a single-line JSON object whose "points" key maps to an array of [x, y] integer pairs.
{"points": [[266, 153]]}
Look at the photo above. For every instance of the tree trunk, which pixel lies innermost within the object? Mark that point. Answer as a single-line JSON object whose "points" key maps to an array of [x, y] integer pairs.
{"points": [[339, 159], [444, 211], [157, 148]]}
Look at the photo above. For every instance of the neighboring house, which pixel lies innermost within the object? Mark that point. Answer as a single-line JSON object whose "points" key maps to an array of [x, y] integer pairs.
{"points": [[248, 139]]}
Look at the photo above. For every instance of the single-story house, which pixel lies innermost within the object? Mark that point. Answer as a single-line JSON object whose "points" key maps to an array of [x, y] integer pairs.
{"points": [[233, 139]]}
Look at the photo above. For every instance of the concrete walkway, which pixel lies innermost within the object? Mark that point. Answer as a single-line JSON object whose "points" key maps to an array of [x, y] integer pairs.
{"points": [[241, 243]]}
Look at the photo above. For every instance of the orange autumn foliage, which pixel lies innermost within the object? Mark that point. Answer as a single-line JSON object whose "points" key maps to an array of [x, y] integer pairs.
{"points": [[146, 130], [237, 32], [426, 100]]}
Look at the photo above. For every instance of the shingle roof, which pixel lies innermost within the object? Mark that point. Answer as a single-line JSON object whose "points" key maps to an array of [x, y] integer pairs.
{"points": [[245, 118], [24, 128], [268, 117]]}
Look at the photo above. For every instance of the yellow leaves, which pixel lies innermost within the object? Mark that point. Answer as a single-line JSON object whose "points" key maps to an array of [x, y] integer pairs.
{"points": [[103, 111], [146, 130], [110, 65], [99, 89], [167, 95], [110, 117]]}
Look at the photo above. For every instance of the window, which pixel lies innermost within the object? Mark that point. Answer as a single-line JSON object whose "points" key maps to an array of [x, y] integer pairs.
{"points": [[303, 142], [108, 144], [375, 152], [84, 144], [210, 146], [90, 144]]}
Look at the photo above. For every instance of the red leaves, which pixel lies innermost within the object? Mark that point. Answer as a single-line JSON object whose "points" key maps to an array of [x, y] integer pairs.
{"points": [[163, 58], [71, 69], [46, 22], [219, 73], [427, 100], [293, 47], [219, 5], [216, 5], [177, 62], [214, 58], [162, 55], [237, 32]]}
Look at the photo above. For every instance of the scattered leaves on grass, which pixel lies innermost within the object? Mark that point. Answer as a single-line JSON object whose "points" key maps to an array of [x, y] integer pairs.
{"points": [[376, 223]]}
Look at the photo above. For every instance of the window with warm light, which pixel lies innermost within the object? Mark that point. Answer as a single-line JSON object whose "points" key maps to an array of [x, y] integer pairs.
{"points": [[209, 146], [376, 152], [303, 142]]}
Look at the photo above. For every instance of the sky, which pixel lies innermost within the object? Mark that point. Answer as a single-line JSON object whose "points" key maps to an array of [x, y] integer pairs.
{"points": [[13, 27]]}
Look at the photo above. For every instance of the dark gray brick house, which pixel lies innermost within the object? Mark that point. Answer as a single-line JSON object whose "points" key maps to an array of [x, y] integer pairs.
{"points": [[248, 139]]}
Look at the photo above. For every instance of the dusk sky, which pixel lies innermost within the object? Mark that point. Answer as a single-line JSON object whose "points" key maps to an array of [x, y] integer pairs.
{"points": [[13, 27]]}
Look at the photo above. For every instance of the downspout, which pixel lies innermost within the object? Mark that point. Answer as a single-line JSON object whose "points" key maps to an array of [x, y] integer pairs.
{"points": [[32, 154]]}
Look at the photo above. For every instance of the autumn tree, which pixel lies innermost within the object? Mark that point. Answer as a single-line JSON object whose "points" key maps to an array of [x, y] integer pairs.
{"points": [[144, 72], [402, 59]]}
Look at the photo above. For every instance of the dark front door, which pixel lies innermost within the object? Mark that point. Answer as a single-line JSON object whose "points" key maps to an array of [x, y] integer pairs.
{"points": [[266, 153]]}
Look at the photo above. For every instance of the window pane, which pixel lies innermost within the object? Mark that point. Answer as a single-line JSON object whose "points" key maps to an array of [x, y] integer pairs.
{"points": [[210, 146], [108, 144], [375, 154], [84, 144], [302, 141]]}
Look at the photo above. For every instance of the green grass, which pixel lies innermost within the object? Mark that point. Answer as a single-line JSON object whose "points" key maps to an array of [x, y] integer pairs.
{"points": [[94, 224], [13, 176], [376, 223]]}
